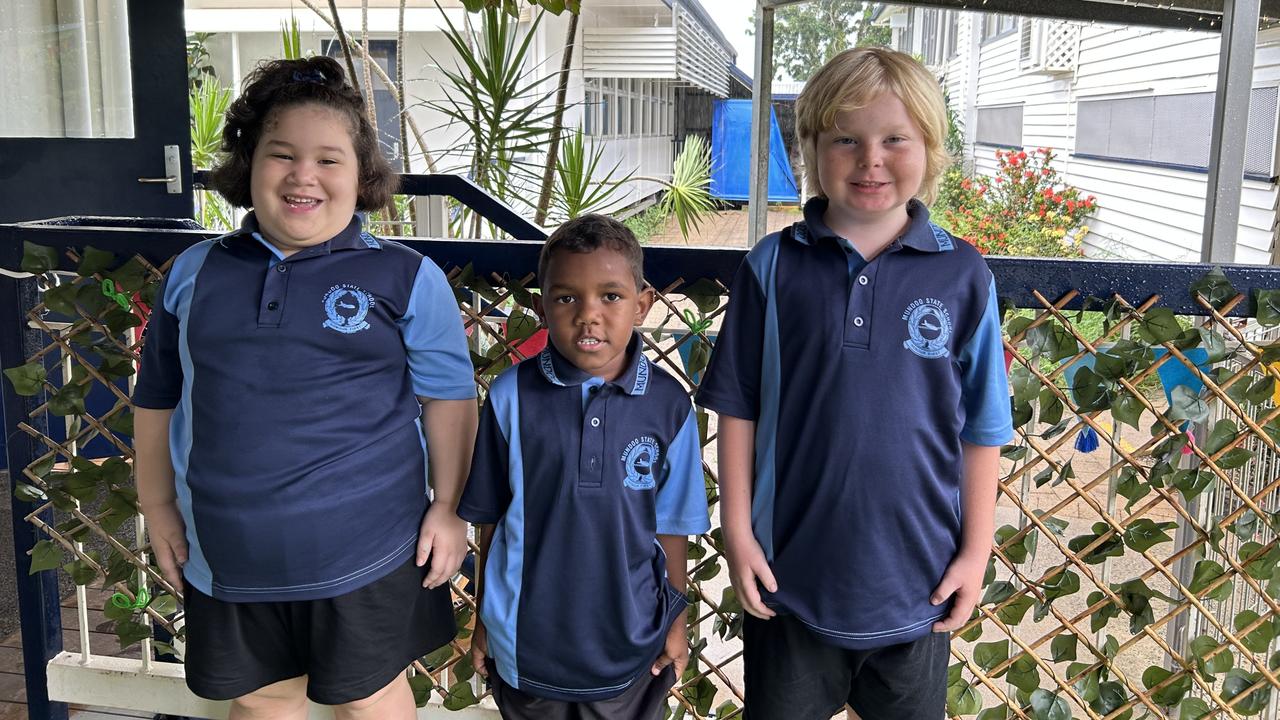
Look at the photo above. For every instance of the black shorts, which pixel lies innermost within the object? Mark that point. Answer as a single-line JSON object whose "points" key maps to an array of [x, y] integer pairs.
{"points": [[646, 699], [349, 647], [791, 673]]}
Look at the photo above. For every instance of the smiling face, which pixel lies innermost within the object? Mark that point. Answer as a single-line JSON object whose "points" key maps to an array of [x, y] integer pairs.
{"points": [[305, 177], [871, 163], [590, 304]]}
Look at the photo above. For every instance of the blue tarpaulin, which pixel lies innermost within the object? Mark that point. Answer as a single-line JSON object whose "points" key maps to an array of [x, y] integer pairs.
{"points": [[731, 155]]}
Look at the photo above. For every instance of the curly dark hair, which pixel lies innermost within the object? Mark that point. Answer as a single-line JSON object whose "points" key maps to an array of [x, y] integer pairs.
{"points": [[588, 233], [278, 84]]}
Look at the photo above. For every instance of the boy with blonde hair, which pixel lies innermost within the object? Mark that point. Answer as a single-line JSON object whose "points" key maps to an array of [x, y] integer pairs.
{"points": [[860, 384]]}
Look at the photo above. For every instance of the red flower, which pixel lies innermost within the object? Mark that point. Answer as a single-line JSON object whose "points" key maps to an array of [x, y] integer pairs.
{"points": [[1071, 206], [999, 180], [1028, 174], [1057, 198], [1022, 155], [1045, 171]]}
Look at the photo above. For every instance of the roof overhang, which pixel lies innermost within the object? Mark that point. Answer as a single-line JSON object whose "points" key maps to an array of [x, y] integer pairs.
{"points": [[1181, 14]]}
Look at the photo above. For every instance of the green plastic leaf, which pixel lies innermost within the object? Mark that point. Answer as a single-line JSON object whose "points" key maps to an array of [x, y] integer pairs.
{"points": [[80, 571], [1260, 637], [1260, 390], [1048, 706], [1131, 487], [27, 379], [38, 259], [1235, 685], [1126, 408], [1063, 647], [130, 632], [68, 400], [990, 654], [1159, 325], [998, 592], [1170, 694], [1185, 404], [1213, 344], [1024, 674], [460, 695], [93, 261], [61, 299], [1013, 613], [999, 712], [1219, 663], [1050, 407], [45, 556], [1268, 306], [963, 699], [1090, 391], [1234, 458], [1205, 572], [1192, 708], [1143, 534], [1215, 288]]}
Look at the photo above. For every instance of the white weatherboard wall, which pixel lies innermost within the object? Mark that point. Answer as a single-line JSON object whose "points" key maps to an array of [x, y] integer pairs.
{"points": [[1145, 212]]}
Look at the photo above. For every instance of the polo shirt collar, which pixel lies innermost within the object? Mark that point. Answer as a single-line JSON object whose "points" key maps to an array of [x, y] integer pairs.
{"points": [[352, 237], [921, 234], [634, 380]]}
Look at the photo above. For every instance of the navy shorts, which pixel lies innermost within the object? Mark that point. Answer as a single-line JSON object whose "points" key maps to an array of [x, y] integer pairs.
{"points": [[349, 647], [791, 673], [646, 699]]}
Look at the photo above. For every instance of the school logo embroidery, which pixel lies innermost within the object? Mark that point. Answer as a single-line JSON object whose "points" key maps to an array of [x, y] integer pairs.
{"points": [[640, 461], [346, 306], [929, 325]]}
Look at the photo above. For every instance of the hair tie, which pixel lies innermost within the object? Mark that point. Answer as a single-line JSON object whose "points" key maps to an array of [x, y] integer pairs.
{"points": [[311, 76]]}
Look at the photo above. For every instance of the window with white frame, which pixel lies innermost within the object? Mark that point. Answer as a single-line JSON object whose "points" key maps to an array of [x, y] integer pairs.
{"points": [[590, 108], [1173, 130], [638, 104], [624, 107], [606, 108], [997, 24], [999, 125]]}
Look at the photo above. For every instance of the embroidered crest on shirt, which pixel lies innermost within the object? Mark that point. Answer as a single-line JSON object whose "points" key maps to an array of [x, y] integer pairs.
{"points": [[929, 325], [640, 461], [346, 307]]}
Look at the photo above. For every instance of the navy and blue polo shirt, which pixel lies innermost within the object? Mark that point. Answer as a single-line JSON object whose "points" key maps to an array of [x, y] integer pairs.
{"points": [[862, 379], [298, 455], [580, 475]]}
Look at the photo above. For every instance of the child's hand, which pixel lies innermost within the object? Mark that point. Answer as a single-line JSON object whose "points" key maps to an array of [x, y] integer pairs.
{"points": [[676, 650], [479, 648], [443, 538], [963, 579], [168, 541], [747, 565]]}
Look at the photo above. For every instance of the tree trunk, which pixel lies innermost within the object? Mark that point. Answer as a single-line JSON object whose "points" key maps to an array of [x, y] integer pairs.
{"points": [[342, 40], [557, 122]]}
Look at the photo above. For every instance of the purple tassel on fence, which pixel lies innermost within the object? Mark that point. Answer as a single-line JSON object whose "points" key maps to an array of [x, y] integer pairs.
{"points": [[1087, 440]]}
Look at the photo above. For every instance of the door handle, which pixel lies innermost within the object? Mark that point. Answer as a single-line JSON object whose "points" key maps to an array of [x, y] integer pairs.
{"points": [[172, 172]]}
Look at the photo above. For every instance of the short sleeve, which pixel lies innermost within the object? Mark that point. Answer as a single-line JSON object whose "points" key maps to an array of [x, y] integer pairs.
{"points": [[439, 362], [731, 385], [488, 491], [984, 382], [160, 373], [682, 497]]}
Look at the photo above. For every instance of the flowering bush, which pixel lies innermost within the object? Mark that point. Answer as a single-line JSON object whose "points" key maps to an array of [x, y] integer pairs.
{"points": [[1024, 210]]}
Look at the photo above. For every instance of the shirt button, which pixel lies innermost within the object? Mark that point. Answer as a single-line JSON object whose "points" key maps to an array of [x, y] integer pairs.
{"points": [[273, 305], [592, 462], [281, 267], [595, 422], [594, 389], [857, 322], [862, 279]]}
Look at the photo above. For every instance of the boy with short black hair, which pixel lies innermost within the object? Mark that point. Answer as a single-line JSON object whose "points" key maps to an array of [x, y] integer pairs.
{"points": [[860, 384], [586, 482]]}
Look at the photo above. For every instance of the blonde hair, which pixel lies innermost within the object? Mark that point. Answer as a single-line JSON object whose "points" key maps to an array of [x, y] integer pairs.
{"points": [[854, 79]]}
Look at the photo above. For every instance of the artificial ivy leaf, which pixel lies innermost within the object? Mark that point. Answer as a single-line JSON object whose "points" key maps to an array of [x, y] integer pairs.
{"points": [[1260, 390], [1159, 325], [1063, 647], [1126, 408], [705, 294], [990, 654], [1016, 324], [1131, 487], [1111, 695], [1268, 307], [1110, 366], [93, 261], [1215, 288], [1213, 344], [1170, 694], [27, 379], [1219, 663], [1020, 412], [1050, 407], [1205, 572], [45, 556], [61, 299], [421, 685], [1143, 534], [1245, 526], [1060, 585], [1260, 637], [29, 493], [1187, 339], [1090, 391], [997, 593], [1186, 405], [1135, 597], [963, 699], [1057, 526], [1013, 452], [80, 571], [999, 712], [68, 400], [1024, 675], [164, 604], [1192, 708], [1234, 458], [1043, 476], [1017, 552], [130, 632], [1048, 706], [1113, 546], [1013, 613], [1053, 340], [121, 422], [1237, 682], [1223, 432], [1191, 482], [460, 694], [38, 259], [1087, 685], [701, 694], [1066, 473], [89, 296]]}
